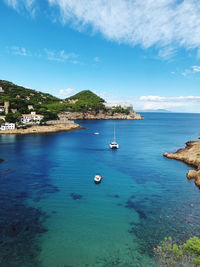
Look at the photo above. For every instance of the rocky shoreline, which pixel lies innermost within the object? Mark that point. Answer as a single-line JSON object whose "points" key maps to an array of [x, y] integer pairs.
{"points": [[36, 129], [190, 155], [91, 115]]}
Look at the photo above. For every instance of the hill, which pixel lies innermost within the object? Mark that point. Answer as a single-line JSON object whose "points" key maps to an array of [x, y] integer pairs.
{"points": [[86, 100], [22, 100], [20, 97]]}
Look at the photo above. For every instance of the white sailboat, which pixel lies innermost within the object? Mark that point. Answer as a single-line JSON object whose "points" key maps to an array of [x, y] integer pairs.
{"points": [[114, 144]]}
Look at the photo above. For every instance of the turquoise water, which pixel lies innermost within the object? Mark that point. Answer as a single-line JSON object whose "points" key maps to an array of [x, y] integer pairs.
{"points": [[53, 215]]}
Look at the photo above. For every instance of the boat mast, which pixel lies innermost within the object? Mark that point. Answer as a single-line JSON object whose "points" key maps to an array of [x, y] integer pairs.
{"points": [[114, 133]]}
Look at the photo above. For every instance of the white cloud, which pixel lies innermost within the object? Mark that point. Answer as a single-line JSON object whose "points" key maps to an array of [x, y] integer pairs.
{"points": [[18, 5], [164, 24], [61, 56], [64, 93], [196, 68], [177, 103], [156, 98], [19, 51]]}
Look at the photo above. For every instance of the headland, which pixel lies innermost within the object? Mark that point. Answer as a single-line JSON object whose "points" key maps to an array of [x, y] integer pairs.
{"points": [[190, 155]]}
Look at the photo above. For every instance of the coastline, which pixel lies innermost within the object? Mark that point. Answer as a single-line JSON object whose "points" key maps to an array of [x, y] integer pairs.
{"points": [[36, 129], [190, 155], [91, 115]]}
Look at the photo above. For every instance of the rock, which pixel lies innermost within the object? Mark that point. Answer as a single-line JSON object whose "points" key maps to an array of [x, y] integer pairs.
{"points": [[92, 115], [192, 174], [190, 155], [1, 160]]}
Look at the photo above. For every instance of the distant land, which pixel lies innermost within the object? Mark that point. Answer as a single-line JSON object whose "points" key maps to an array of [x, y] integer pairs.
{"points": [[155, 110]]}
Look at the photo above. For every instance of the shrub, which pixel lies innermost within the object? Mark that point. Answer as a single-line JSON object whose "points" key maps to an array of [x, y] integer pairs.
{"points": [[187, 254]]}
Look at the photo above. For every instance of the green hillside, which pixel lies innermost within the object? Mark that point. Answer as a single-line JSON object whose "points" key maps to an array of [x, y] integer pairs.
{"points": [[20, 98], [83, 101]]}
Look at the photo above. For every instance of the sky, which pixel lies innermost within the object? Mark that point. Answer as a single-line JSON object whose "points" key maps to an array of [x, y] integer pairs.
{"points": [[146, 52]]}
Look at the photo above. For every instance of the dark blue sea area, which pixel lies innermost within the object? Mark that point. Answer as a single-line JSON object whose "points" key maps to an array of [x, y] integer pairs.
{"points": [[52, 214]]}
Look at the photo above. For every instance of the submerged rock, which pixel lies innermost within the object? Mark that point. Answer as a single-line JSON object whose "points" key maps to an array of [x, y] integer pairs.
{"points": [[75, 196], [1, 160]]}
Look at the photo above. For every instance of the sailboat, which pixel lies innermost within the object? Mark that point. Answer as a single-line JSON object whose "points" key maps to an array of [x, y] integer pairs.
{"points": [[114, 144]]}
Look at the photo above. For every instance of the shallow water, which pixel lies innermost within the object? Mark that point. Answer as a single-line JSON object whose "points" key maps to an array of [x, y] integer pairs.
{"points": [[53, 215]]}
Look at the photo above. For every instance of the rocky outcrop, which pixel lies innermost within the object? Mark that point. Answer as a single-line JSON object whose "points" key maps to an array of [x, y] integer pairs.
{"points": [[1, 160], [45, 129], [190, 155], [92, 115]]}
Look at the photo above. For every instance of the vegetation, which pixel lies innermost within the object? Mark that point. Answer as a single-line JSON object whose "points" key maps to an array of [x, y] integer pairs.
{"points": [[168, 253], [120, 110], [13, 117], [1, 122], [86, 100], [21, 98]]}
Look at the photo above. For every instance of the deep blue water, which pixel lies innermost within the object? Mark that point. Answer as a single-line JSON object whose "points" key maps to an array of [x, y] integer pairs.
{"points": [[53, 215]]}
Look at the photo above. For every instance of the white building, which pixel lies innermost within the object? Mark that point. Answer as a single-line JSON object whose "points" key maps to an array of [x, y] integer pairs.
{"points": [[124, 105], [1, 90], [7, 126], [2, 109], [32, 118]]}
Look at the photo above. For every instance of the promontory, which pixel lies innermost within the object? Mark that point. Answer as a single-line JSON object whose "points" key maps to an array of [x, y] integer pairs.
{"points": [[190, 155], [22, 108]]}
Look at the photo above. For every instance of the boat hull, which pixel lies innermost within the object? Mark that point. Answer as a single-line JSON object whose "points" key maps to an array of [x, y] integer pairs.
{"points": [[114, 146], [97, 182]]}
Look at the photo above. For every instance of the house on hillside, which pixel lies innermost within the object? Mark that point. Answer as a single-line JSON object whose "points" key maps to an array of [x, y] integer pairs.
{"points": [[2, 109], [32, 118], [30, 107], [7, 126], [1, 90]]}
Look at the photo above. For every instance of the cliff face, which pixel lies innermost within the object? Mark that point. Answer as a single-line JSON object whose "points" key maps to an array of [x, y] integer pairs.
{"points": [[91, 115], [190, 155]]}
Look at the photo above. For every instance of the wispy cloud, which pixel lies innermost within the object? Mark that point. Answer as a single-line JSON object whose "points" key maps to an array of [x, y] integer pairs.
{"points": [[19, 51], [196, 68], [48, 54], [191, 71], [163, 98], [61, 56], [164, 24], [19, 5], [64, 93]]}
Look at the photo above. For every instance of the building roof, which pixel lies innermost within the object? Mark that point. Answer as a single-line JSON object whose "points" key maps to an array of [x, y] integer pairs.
{"points": [[31, 115]]}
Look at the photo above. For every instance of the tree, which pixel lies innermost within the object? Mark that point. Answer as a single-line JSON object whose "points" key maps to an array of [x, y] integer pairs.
{"points": [[1, 122], [13, 117]]}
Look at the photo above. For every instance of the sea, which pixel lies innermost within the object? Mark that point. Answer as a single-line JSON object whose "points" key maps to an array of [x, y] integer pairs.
{"points": [[52, 214]]}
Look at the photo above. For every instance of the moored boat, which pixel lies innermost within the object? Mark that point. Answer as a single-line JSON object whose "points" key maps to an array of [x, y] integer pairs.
{"points": [[114, 145], [97, 178]]}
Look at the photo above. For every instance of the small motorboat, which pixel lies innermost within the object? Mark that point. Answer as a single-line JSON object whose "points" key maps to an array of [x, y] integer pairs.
{"points": [[96, 133], [97, 178]]}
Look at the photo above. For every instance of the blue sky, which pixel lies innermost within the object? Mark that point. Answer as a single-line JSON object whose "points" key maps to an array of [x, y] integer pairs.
{"points": [[146, 52]]}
